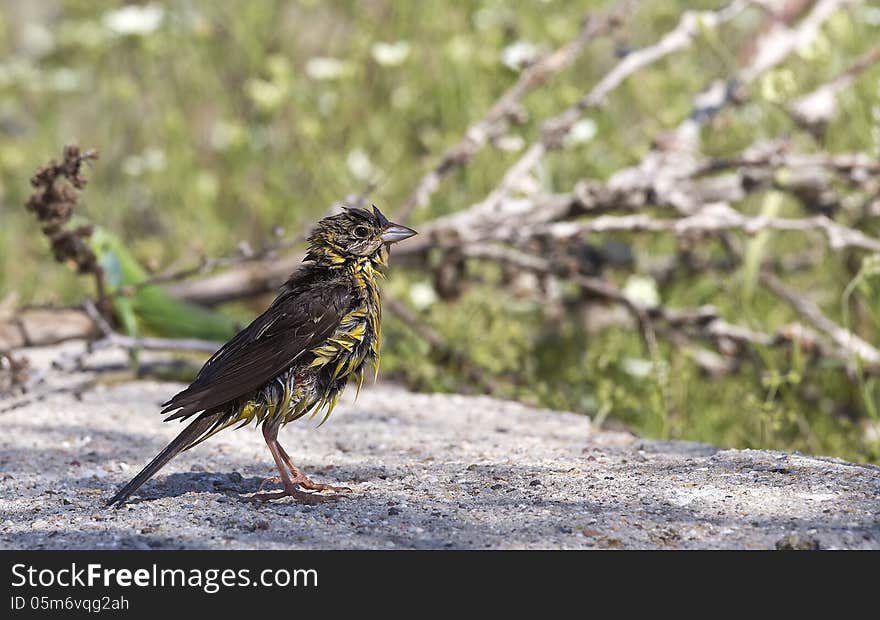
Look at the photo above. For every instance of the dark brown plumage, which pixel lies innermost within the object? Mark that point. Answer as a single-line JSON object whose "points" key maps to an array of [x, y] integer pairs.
{"points": [[296, 357]]}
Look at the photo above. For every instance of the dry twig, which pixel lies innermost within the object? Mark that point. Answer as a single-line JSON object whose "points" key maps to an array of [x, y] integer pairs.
{"points": [[508, 105]]}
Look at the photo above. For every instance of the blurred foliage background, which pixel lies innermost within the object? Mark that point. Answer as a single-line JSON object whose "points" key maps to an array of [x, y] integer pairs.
{"points": [[218, 122]]}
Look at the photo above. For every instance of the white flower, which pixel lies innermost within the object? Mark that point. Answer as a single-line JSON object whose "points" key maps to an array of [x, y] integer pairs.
{"points": [[133, 165], [422, 295], [17, 71], [226, 134], [134, 20], [510, 143], [266, 95], [37, 40], [359, 164], [519, 54], [154, 159], [872, 431], [323, 68], [642, 290], [390, 54], [151, 160], [581, 132], [637, 367]]}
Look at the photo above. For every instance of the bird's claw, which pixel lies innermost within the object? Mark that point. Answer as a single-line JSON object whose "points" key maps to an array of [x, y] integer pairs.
{"points": [[290, 490], [311, 485], [272, 480], [300, 496]]}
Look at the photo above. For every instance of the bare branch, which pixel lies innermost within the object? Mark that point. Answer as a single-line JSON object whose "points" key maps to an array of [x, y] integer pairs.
{"points": [[778, 44], [843, 338], [115, 339], [711, 219], [557, 128], [702, 323], [44, 326], [208, 264], [858, 166], [656, 180], [816, 109], [660, 173], [491, 124]]}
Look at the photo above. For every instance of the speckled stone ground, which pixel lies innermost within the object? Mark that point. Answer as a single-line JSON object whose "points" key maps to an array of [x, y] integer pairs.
{"points": [[427, 471]]}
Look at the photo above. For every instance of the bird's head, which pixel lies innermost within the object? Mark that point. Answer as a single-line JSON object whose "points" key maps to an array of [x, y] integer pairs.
{"points": [[354, 234]]}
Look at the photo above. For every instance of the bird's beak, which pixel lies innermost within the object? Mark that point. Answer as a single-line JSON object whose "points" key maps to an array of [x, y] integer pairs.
{"points": [[395, 232]]}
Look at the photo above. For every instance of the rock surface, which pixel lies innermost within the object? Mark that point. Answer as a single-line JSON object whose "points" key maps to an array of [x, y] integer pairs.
{"points": [[427, 472]]}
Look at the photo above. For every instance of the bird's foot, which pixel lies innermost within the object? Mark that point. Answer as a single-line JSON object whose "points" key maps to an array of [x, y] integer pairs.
{"points": [[307, 483], [295, 493]]}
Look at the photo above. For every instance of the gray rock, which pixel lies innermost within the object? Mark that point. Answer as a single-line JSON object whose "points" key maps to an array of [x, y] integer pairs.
{"points": [[427, 472]]}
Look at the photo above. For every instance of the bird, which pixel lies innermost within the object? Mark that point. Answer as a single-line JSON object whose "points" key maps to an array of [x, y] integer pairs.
{"points": [[321, 331]]}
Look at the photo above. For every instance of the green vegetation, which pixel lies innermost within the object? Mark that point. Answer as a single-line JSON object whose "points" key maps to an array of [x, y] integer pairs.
{"points": [[217, 122]]}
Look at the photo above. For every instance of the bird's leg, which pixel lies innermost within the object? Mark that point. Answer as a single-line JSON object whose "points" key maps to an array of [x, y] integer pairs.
{"points": [[270, 434], [304, 481]]}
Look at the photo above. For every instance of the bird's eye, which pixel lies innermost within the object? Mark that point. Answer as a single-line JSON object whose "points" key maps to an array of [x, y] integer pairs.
{"points": [[361, 231]]}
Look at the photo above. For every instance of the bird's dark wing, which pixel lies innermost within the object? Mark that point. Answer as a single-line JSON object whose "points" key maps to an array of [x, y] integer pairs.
{"points": [[295, 323]]}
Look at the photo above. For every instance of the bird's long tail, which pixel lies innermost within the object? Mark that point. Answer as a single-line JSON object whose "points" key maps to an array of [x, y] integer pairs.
{"points": [[184, 440]]}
